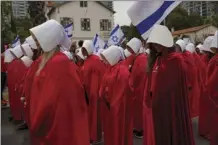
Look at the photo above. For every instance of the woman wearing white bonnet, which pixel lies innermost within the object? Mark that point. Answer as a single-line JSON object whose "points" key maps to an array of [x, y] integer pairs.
{"points": [[211, 87], [57, 94], [173, 110], [113, 92], [132, 49], [80, 57]]}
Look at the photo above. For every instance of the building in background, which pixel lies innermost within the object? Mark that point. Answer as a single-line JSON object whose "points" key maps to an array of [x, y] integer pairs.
{"points": [[196, 34], [88, 17], [20, 9], [204, 8]]}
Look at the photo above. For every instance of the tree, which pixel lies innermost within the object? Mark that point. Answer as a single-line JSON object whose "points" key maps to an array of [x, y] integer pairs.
{"points": [[195, 20], [130, 32], [6, 20], [36, 12], [178, 19], [23, 25]]}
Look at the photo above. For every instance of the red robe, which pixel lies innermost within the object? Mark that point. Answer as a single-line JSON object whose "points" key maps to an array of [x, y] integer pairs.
{"points": [[93, 71], [170, 105], [114, 91], [137, 79], [212, 90], [192, 82], [58, 109], [27, 86], [205, 103], [148, 125], [16, 70]]}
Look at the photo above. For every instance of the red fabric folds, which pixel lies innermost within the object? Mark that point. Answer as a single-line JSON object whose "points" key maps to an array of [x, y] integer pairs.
{"points": [[58, 109], [170, 105], [93, 71], [137, 79], [116, 93], [16, 70], [212, 90], [192, 83]]}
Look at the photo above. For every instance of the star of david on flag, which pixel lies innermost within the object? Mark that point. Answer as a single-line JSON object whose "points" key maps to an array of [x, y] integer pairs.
{"points": [[116, 36]]}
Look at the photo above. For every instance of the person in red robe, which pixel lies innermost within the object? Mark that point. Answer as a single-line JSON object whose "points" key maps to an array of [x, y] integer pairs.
{"points": [[212, 90], [80, 58], [205, 103], [137, 80], [168, 95], [15, 72], [92, 74], [114, 91], [58, 108]]}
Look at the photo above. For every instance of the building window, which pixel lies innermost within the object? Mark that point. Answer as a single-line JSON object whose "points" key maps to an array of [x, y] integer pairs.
{"points": [[105, 25], [85, 24], [66, 21], [83, 3]]}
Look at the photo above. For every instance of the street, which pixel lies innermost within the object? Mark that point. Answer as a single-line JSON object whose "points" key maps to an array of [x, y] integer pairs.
{"points": [[9, 135]]}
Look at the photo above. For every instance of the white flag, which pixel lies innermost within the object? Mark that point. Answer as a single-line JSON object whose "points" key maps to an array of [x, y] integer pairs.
{"points": [[16, 42], [116, 36], [145, 14], [69, 30], [98, 44]]}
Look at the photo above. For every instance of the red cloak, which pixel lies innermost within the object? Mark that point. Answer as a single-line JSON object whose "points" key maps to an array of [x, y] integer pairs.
{"points": [[16, 70], [58, 109], [93, 71], [148, 125], [192, 83], [27, 86], [115, 91], [212, 89], [137, 79], [170, 105]]}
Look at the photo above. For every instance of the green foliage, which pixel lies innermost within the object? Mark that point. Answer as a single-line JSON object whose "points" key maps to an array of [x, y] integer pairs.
{"points": [[130, 32], [6, 29], [23, 26]]}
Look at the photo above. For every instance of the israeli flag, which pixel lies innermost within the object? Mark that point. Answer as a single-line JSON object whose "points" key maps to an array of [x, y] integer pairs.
{"points": [[98, 44], [145, 14], [116, 36], [16, 42], [69, 30]]}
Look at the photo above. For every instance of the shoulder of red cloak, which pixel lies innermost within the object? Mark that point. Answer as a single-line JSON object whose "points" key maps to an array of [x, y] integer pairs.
{"points": [[58, 65]]}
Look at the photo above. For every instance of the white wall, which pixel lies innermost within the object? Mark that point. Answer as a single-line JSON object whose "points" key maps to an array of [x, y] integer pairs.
{"points": [[94, 11]]}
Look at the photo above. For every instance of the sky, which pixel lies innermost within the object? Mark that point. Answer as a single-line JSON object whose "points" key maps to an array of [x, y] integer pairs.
{"points": [[121, 17]]}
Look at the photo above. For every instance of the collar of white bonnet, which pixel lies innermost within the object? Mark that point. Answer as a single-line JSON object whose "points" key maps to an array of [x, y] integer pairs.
{"points": [[27, 61]]}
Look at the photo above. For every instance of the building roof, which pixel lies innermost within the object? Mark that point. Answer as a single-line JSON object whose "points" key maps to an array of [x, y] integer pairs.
{"points": [[189, 30], [54, 5]]}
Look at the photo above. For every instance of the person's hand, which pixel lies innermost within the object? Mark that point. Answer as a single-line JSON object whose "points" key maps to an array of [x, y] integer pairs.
{"points": [[22, 99]]}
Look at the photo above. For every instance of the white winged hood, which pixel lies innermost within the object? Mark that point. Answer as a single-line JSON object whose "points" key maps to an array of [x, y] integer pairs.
{"points": [[161, 35], [112, 55]]}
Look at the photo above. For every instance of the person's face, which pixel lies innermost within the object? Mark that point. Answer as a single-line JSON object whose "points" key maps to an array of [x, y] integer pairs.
{"points": [[215, 50], [158, 48], [36, 41], [130, 50], [104, 59], [84, 52], [178, 48], [197, 50]]}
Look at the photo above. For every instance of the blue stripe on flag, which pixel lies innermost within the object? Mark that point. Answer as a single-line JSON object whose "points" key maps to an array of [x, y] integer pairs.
{"points": [[114, 30], [16, 39], [69, 25], [95, 40], [70, 35], [146, 24]]}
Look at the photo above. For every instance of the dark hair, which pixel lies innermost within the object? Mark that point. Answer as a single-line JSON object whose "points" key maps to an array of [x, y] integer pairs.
{"points": [[80, 43], [151, 58]]}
